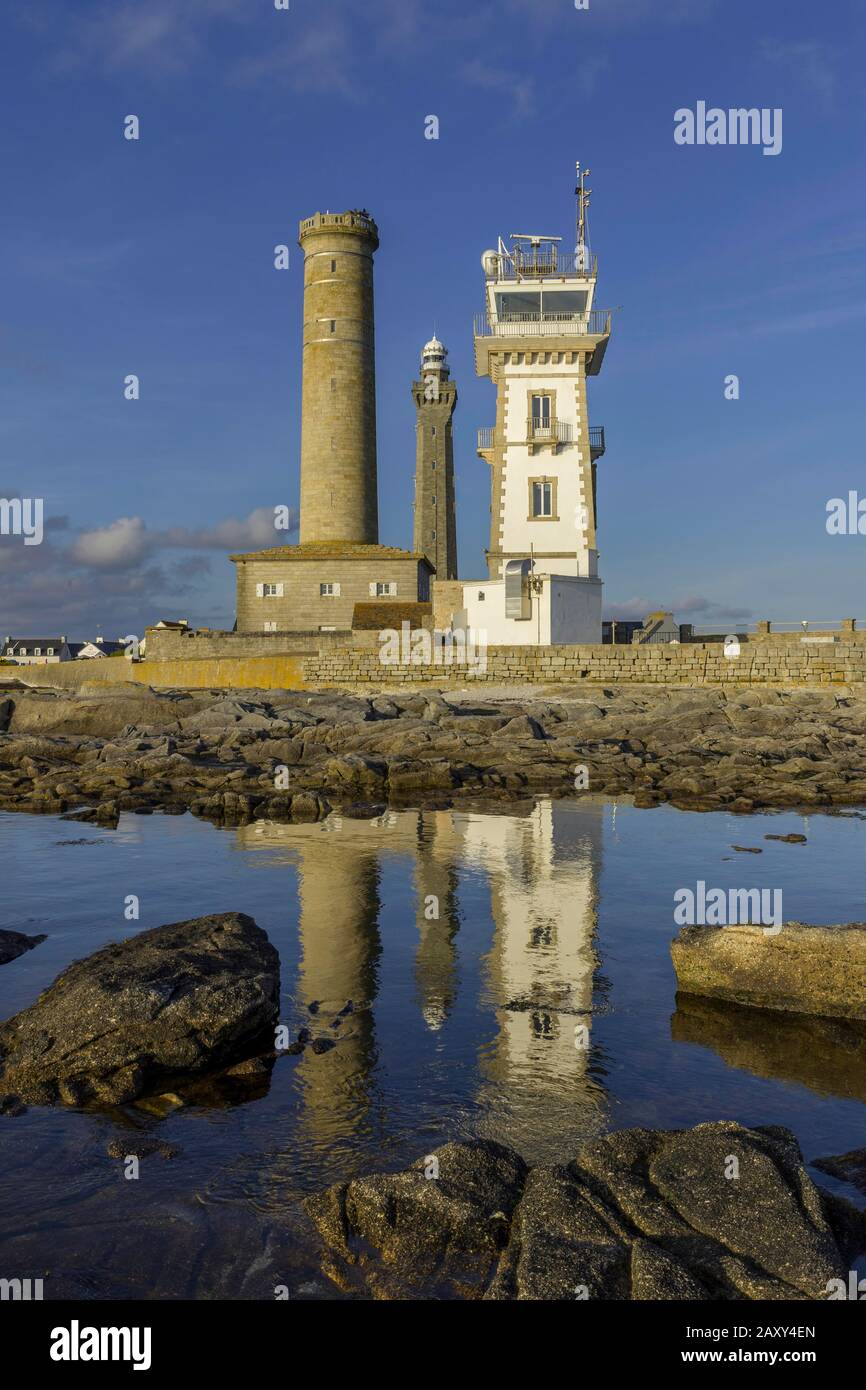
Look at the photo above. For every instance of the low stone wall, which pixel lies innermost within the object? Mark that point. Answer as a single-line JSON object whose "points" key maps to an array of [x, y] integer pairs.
{"points": [[348, 660], [277, 672], [759, 663], [172, 645]]}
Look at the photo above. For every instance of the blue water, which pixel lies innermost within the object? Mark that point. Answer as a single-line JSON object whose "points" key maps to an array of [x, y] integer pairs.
{"points": [[565, 909]]}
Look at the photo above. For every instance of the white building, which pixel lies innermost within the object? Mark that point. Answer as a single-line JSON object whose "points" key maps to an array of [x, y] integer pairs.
{"points": [[538, 340], [37, 651]]}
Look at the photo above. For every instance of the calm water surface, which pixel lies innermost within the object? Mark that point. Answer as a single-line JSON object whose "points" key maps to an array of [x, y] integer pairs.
{"points": [[553, 929]]}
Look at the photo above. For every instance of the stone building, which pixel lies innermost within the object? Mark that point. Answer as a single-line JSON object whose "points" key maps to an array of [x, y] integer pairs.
{"points": [[314, 586], [435, 397]]}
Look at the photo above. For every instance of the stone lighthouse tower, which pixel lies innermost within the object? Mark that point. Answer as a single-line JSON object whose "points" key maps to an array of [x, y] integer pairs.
{"points": [[338, 577], [435, 397], [338, 425]]}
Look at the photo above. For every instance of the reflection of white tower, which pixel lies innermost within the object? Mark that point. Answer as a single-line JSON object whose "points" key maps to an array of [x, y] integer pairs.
{"points": [[543, 870]]}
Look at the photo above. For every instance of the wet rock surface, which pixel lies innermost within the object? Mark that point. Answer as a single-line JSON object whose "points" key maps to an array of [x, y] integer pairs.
{"points": [[716, 1212], [409, 1235], [183, 1000], [14, 943], [795, 968], [236, 755], [849, 1167]]}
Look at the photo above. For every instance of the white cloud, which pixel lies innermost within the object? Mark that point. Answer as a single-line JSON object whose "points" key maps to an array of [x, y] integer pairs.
{"points": [[126, 542], [316, 59], [811, 62], [162, 36], [616, 13], [121, 545], [520, 89], [686, 607]]}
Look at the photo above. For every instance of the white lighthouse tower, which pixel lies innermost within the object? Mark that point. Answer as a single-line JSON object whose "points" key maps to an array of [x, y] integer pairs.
{"points": [[538, 340]]}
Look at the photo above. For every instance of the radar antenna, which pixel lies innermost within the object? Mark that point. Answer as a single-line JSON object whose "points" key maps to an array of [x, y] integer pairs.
{"points": [[583, 195]]}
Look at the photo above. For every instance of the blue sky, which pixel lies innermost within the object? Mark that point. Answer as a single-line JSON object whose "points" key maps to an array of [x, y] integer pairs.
{"points": [[155, 257]]}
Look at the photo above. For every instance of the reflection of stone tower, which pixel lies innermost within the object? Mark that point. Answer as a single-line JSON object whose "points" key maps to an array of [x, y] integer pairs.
{"points": [[435, 397], [338, 428], [338, 888], [338, 935], [437, 915]]}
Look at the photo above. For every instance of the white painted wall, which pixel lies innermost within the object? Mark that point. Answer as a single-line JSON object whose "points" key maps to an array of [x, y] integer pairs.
{"points": [[569, 464], [575, 610], [567, 611]]}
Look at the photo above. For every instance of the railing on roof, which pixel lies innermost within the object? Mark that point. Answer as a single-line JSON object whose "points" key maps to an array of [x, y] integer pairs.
{"points": [[789, 626], [542, 264], [592, 323]]}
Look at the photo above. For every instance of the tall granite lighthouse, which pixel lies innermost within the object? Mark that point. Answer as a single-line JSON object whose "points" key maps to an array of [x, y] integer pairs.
{"points": [[338, 576], [338, 427]]}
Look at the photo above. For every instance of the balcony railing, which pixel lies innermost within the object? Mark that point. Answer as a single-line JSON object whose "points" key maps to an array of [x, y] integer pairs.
{"points": [[595, 323], [546, 431], [537, 265]]}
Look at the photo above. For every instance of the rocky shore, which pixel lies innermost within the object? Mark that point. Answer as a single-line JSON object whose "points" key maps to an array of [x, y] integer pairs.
{"points": [[720, 1211], [233, 756], [716, 1212], [794, 968], [172, 1004]]}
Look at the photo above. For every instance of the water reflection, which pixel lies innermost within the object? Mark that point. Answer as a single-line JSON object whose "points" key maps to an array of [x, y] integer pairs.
{"points": [[542, 871], [468, 943], [525, 888], [828, 1055], [436, 914]]}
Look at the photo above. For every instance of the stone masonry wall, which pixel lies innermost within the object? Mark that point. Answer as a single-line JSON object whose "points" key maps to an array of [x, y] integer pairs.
{"points": [[314, 660], [792, 663], [301, 603]]}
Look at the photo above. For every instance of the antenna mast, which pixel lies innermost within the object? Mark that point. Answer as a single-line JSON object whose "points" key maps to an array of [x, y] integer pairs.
{"points": [[583, 195]]}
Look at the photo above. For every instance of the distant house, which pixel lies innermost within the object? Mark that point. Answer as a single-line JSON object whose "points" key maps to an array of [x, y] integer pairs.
{"points": [[658, 628], [619, 630], [172, 624], [37, 651], [100, 646]]}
